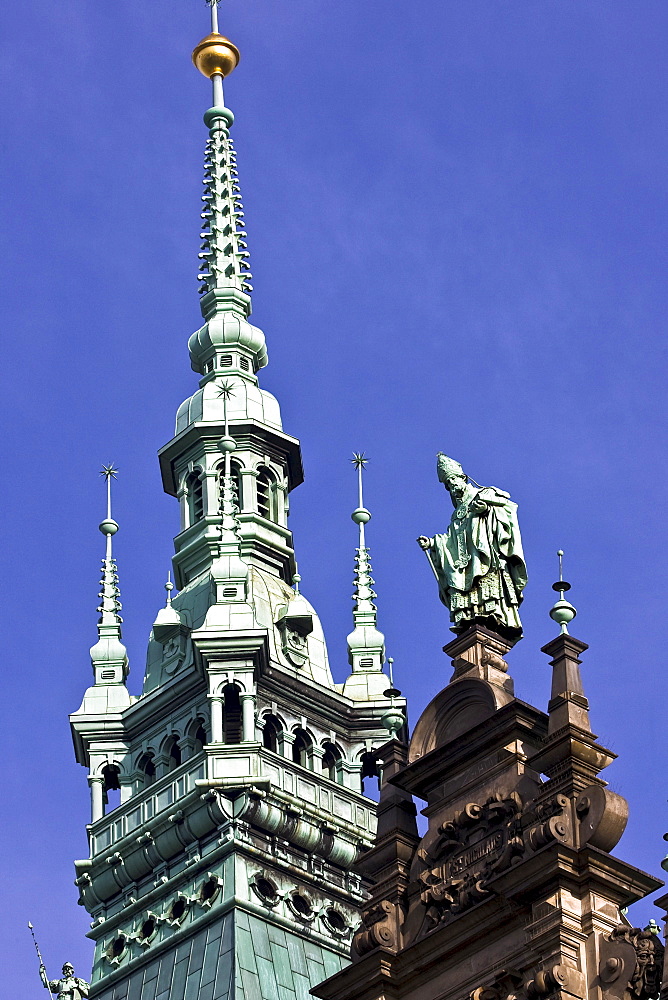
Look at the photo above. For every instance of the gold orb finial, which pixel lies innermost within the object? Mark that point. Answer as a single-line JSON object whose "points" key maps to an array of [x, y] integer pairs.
{"points": [[216, 54]]}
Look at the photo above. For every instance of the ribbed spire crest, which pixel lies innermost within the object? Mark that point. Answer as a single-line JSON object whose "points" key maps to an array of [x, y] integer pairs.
{"points": [[229, 510], [111, 605], [364, 612], [224, 253]]}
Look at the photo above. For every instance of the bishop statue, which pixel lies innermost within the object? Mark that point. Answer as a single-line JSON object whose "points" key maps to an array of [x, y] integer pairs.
{"points": [[478, 562]]}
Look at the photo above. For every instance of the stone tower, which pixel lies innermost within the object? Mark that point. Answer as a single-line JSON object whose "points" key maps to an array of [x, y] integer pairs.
{"points": [[513, 892], [223, 869]]}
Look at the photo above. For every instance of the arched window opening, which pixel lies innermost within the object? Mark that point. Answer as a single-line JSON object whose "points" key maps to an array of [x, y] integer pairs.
{"points": [[146, 765], [270, 733], [232, 714], [301, 748], [266, 494], [235, 471], [112, 786], [196, 496], [369, 776], [330, 761]]}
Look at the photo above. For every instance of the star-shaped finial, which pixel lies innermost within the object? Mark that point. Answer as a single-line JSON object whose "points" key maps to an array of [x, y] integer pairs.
{"points": [[225, 389], [108, 471], [358, 460]]}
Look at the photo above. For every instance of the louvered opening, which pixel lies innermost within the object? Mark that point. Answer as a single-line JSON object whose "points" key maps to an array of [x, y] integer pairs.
{"points": [[232, 717]]}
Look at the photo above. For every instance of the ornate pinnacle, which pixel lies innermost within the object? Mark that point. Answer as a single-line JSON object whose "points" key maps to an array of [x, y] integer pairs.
{"points": [[365, 609], [110, 594], [109, 655], [563, 611], [366, 645]]}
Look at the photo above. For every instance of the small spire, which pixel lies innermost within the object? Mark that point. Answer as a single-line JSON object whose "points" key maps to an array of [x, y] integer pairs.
{"points": [[366, 645], [365, 610], [563, 611], [167, 616], [296, 579], [109, 655]]}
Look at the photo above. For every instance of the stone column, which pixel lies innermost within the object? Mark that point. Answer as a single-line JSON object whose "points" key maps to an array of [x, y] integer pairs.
{"points": [[286, 741], [182, 497], [247, 717], [249, 489], [96, 797], [211, 496], [282, 504], [216, 720], [315, 758], [247, 482], [126, 785]]}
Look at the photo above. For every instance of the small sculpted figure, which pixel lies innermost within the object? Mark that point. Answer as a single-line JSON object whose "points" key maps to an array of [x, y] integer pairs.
{"points": [[478, 562], [67, 988]]}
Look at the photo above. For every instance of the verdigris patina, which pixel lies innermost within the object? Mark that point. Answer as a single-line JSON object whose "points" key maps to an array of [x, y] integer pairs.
{"points": [[478, 562]]}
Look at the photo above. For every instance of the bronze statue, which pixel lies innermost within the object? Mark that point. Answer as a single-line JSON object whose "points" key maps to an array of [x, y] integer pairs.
{"points": [[70, 987], [478, 562]]}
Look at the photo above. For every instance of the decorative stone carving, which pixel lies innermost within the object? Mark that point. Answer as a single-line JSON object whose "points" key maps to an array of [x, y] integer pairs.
{"points": [[602, 815], [294, 629], [553, 980], [480, 840], [631, 964], [380, 928]]}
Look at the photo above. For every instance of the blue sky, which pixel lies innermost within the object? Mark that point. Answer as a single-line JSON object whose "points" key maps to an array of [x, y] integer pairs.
{"points": [[457, 217]]}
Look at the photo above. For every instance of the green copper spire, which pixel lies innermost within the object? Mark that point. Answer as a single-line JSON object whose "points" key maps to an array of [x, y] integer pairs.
{"points": [[109, 655], [224, 258], [562, 612], [366, 645]]}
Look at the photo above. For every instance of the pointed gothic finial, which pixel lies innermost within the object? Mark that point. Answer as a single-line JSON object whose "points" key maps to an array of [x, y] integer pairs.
{"points": [[167, 617], [563, 611], [109, 655], [366, 645]]}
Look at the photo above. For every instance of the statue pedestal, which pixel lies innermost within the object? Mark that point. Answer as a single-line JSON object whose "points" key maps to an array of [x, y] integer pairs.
{"points": [[479, 652]]}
